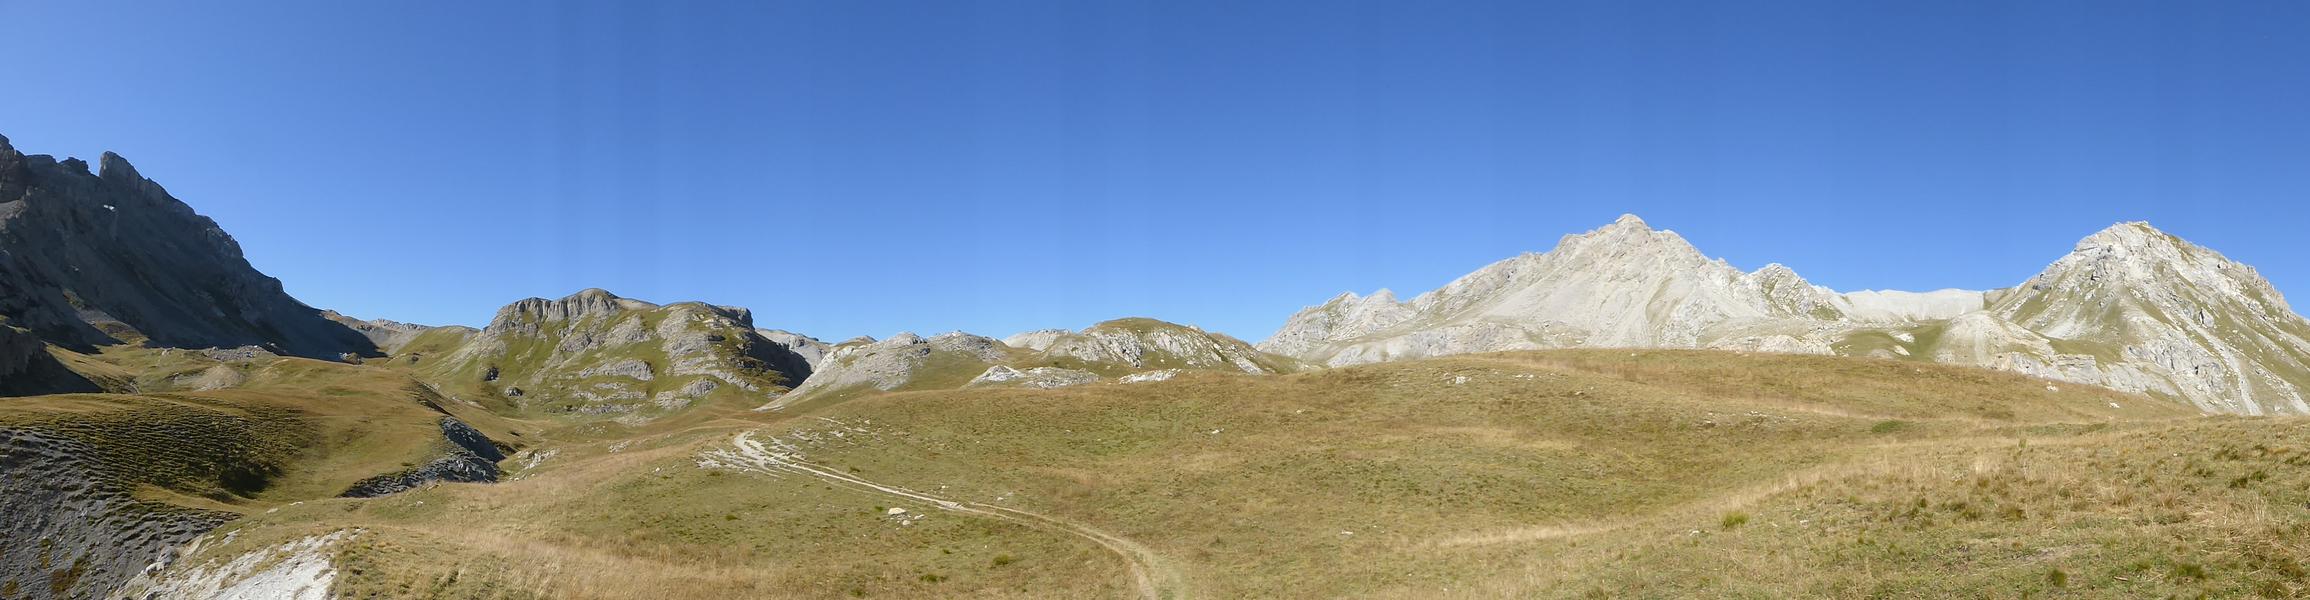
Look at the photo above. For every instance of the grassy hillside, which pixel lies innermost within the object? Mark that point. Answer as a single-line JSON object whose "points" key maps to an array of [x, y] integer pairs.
{"points": [[283, 430], [1549, 474]]}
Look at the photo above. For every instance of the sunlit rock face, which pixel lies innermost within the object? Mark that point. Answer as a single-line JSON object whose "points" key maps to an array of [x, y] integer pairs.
{"points": [[2131, 308]]}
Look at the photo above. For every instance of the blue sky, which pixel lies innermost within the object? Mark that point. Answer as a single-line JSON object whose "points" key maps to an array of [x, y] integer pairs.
{"points": [[857, 167]]}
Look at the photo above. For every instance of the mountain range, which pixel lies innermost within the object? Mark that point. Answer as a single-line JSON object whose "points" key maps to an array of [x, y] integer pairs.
{"points": [[2130, 308], [177, 426], [110, 258]]}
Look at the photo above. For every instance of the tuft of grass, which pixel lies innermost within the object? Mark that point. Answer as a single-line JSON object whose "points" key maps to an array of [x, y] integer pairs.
{"points": [[1733, 520]]}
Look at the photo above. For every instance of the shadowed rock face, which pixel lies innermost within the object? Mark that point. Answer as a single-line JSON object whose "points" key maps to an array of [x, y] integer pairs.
{"points": [[27, 369], [93, 259]]}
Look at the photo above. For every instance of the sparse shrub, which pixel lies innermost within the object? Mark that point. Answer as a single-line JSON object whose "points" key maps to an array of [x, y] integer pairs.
{"points": [[2189, 571], [2057, 578], [1735, 519], [932, 578], [1004, 560]]}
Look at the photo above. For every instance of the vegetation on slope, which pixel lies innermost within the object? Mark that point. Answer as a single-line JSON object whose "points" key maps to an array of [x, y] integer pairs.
{"points": [[1553, 474], [289, 429]]}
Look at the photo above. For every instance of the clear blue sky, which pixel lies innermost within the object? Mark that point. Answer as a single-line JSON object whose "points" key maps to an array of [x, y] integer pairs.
{"points": [[854, 167]]}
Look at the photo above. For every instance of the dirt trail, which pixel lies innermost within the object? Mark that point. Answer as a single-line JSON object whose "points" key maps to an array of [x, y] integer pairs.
{"points": [[1154, 577]]}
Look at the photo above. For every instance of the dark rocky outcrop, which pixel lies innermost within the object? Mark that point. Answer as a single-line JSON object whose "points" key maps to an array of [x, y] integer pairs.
{"points": [[472, 458], [69, 533], [26, 367], [90, 259]]}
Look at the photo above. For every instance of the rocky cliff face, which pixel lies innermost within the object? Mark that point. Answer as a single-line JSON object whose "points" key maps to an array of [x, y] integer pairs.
{"points": [[2140, 310], [596, 353], [2132, 308], [809, 348], [26, 367], [90, 259]]}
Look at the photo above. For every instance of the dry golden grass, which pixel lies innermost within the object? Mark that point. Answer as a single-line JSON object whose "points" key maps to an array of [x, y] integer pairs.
{"points": [[1546, 474]]}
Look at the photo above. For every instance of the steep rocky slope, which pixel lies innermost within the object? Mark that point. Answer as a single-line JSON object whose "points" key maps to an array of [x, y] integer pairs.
{"points": [[2137, 309], [27, 368], [105, 258], [2132, 308], [596, 353], [809, 348]]}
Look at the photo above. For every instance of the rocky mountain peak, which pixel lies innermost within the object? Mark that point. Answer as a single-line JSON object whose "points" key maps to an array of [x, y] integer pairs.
{"points": [[1628, 241], [1776, 272], [2166, 315], [89, 260], [2130, 234], [528, 313], [2136, 259], [114, 167], [1623, 284]]}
